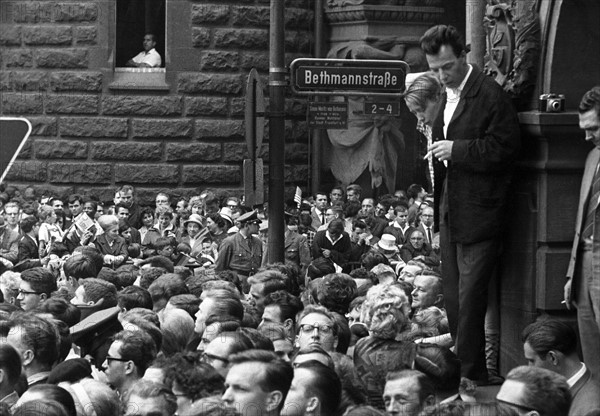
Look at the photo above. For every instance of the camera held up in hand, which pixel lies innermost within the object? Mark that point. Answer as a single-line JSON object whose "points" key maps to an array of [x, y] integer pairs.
{"points": [[552, 103]]}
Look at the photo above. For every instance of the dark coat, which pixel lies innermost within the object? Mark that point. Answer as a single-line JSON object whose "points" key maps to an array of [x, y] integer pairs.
{"points": [[340, 251], [119, 248], [486, 136], [586, 396]]}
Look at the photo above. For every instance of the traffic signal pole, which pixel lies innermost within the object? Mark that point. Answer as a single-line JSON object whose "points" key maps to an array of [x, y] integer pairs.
{"points": [[277, 86]]}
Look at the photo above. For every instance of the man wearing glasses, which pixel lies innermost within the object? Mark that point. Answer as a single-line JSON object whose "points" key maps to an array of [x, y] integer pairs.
{"points": [[316, 326], [130, 354], [218, 351], [36, 286], [426, 225]]}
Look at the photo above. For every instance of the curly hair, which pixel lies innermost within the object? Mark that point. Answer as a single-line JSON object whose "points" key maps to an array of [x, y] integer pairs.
{"points": [[385, 311], [336, 291], [194, 377]]}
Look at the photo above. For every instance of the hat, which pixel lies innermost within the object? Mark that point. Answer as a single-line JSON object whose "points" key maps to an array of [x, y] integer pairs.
{"points": [[226, 214], [71, 370], [195, 218], [387, 243], [248, 217]]}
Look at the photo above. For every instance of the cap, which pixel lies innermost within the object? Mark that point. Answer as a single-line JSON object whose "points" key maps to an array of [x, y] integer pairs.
{"points": [[248, 217]]}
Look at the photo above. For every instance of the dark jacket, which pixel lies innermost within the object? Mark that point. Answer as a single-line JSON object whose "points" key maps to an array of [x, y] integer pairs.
{"points": [[340, 251], [237, 255], [119, 248], [486, 135]]}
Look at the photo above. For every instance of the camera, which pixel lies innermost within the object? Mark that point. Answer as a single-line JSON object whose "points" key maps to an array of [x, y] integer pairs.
{"points": [[552, 103]]}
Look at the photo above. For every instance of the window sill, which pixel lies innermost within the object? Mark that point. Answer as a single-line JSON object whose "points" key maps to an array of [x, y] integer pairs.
{"points": [[146, 79]]}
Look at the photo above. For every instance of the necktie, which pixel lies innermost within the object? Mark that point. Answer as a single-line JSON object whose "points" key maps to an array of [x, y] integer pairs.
{"points": [[429, 235], [322, 218], [588, 225]]}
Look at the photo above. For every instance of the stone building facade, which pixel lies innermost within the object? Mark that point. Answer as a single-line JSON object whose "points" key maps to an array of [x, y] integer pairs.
{"points": [[180, 129]]}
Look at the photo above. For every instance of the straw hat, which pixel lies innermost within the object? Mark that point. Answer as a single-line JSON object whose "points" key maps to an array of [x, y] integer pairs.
{"points": [[387, 243]]}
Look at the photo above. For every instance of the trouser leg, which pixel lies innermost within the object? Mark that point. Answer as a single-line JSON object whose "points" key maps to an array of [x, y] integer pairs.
{"points": [[589, 333], [450, 278]]}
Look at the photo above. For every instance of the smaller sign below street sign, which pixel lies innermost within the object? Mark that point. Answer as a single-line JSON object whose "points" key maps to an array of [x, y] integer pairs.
{"points": [[378, 108], [322, 115]]}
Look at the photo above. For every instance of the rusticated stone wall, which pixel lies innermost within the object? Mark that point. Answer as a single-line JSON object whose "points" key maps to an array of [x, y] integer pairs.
{"points": [[57, 71]]}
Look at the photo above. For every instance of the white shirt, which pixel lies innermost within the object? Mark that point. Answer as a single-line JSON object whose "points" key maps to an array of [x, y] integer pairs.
{"points": [[151, 58], [452, 99], [575, 378]]}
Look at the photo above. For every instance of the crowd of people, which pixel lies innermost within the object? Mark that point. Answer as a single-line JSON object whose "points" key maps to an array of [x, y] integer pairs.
{"points": [[112, 308], [115, 308]]}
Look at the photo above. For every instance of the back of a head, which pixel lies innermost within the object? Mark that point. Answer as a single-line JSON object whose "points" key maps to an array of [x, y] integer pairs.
{"points": [[98, 289], [61, 310], [166, 286], [96, 396], [134, 297], [93, 254], [177, 327], [80, 267], [537, 388], [159, 261], [337, 290], [42, 407], [51, 392], [10, 363], [550, 334], [325, 384]]}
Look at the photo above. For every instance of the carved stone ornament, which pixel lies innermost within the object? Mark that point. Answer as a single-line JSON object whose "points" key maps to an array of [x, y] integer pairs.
{"points": [[513, 45], [338, 11]]}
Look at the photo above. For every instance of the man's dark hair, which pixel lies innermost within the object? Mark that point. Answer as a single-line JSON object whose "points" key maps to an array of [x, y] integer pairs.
{"points": [[27, 224], [150, 274], [61, 310], [97, 289], [37, 334], [167, 286], [276, 375], [351, 209], [138, 347], [134, 297], [426, 387], [336, 291], [75, 198], [94, 254], [186, 302], [195, 378], [288, 304], [414, 190], [258, 339], [80, 267], [439, 35], [336, 225], [159, 261], [544, 390], [40, 279], [325, 384], [10, 363], [591, 100], [230, 276], [550, 334]]}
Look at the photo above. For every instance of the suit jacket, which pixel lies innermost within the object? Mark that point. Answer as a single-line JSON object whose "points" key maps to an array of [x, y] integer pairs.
{"points": [[401, 237], [586, 187], [119, 248], [316, 218], [486, 139], [296, 249], [421, 228], [9, 244], [236, 254], [585, 395]]}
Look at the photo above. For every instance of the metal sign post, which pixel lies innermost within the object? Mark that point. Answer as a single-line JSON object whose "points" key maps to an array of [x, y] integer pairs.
{"points": [[14, 132], [254, 190]]}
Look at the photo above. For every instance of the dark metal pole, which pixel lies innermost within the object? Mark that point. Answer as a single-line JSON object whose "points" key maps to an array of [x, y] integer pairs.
{"points": [[277, 87], [317, 135]]}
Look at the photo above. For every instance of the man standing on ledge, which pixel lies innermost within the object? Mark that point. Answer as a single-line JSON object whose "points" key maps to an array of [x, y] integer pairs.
{"points": [[583, 282], [476, 133], [148, 58]]}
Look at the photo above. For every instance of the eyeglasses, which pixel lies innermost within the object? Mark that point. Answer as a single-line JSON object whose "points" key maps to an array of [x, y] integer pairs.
{"points": [[206, 357], [426, 215], [109, 359], [416, 239], [28, 292], [308, 328]]}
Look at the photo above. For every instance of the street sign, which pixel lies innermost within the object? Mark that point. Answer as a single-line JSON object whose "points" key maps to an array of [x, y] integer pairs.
{"points": [[254, 182], [388, 108], [311, 76], [323, 115], [254, 114], [14, 132]]}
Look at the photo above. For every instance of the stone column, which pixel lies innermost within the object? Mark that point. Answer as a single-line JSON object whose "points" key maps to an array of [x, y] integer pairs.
{"points": [[475, 32]]}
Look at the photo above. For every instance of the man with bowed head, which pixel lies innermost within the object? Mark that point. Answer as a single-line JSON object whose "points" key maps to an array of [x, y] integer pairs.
{"points": [[476, 133]]}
